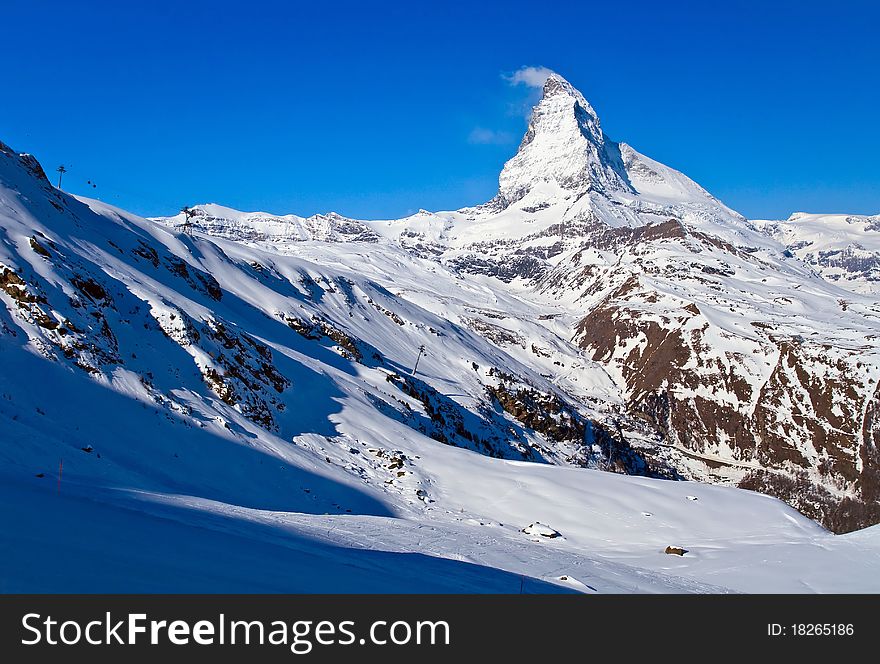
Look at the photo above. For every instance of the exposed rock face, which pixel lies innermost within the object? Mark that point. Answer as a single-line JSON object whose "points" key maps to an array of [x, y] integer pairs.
{"points": [[770, 406]]}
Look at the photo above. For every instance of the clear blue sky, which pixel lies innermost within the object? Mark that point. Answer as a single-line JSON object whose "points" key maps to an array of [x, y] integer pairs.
{"points": [[377, 109]]}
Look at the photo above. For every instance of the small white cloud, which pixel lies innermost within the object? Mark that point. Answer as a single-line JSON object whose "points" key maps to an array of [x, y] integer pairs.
{"points": [[533, 77], [483, 136]]}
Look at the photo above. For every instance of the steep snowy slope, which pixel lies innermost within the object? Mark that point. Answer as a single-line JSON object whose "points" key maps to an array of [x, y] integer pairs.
{"points": [[743, 352], [231, 418]]}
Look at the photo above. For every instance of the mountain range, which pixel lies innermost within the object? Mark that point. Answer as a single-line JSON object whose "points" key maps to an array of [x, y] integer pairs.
{"points": [[449, 401]]}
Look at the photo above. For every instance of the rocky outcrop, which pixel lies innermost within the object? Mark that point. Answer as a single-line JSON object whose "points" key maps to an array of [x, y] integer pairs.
{"points": [[790, 424]]}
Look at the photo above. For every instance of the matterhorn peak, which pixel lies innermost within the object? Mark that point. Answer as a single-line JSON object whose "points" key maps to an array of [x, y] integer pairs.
{"points": [[563, 145]]}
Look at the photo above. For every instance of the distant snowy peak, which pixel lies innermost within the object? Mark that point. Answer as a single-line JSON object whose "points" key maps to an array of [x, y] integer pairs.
{"points": [[564, 144]]}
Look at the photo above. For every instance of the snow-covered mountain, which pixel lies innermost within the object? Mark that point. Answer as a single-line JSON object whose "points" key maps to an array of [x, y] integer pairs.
{"points": [[744, 351], [248, 390]]}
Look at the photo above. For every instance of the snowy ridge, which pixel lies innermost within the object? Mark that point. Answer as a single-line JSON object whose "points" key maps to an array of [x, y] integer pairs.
{"points": [[844, 249]]}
